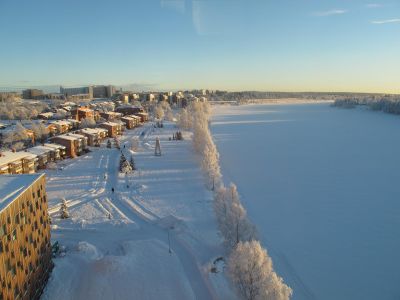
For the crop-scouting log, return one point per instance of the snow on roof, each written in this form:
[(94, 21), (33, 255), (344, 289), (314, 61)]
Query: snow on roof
[(112, 113), (55, 146), (66, 137), (111, 124), (61, 122), (93, 130), (40, 150), (134, 117), (46, 114), (128, 118), (11, 186), (79, 136), (9, 157)]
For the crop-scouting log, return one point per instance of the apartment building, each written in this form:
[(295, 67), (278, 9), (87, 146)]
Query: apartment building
[(80, 113), (25, 248), (17, 162), (113, 129), (111, 115), (75, 144), (94, 135)]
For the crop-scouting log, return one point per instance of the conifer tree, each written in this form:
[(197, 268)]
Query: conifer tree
[(132, 163), (64, 209)]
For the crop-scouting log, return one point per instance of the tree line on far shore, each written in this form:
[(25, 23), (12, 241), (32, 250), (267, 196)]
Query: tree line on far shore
[(386, 103)]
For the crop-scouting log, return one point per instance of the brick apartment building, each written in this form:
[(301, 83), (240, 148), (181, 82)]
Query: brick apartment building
[(25, 249)]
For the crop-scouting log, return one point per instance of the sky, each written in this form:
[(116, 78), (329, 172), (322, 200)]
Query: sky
[(265, 45)]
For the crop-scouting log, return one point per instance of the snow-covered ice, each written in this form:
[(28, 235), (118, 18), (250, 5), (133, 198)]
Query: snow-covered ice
[(320, 183)]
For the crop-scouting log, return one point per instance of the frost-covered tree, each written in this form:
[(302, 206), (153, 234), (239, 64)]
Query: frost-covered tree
[(183, 119), (88, 123), (40, 131), (251, 270), (18, 135), (64, 209), (159, 112), (126, 167), (18, 146), (122, 159), (135, 144), (232, 217)]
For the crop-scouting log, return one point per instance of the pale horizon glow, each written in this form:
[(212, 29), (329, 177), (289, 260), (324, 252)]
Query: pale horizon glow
[(237, 45)]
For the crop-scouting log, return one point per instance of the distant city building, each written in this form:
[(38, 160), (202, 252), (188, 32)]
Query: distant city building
[(103, 91), (88, 92), (25, 248), (32, 94), (78, 93)]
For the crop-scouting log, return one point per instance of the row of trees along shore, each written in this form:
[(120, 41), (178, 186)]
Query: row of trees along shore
[(249, 266), (386, 103)]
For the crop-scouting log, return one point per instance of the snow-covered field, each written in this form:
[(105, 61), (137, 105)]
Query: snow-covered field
[(117, 244), (321, 184)]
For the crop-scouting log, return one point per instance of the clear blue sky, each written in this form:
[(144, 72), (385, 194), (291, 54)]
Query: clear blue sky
[(297, 45)]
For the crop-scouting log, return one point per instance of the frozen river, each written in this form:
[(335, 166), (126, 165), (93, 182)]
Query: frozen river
[(322, 185)]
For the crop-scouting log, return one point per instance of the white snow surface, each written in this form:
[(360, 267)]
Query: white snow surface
[(320, 183), (126, 256)]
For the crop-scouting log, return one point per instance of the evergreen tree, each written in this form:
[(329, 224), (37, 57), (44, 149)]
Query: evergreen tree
[(122, 160), (126, 167), (64, 209), (132, 163)]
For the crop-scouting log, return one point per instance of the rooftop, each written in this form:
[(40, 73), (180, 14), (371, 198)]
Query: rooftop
[(9, 157), (54, 146), (11, 186), (40, 150), (110, 124)]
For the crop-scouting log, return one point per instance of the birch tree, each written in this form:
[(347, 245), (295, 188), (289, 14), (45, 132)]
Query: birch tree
[(251, 270)]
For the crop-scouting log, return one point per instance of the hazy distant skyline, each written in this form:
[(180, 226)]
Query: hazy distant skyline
[(214, 44)]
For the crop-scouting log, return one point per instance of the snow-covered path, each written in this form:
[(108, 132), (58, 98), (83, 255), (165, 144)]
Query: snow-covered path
[(127, 254)]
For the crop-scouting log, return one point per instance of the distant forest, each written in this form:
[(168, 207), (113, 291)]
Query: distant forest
[(386, 103), (253, 95)]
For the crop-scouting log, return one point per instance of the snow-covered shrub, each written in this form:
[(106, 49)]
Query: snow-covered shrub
[(250, 268)]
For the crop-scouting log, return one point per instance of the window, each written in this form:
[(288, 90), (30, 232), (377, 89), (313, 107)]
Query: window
[(14, 235), (1, 246), (3, 230)]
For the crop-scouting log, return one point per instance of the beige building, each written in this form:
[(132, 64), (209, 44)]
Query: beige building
[(25, 248), (17, 162)]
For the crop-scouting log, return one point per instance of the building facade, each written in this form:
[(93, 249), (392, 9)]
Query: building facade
[(25, 248)]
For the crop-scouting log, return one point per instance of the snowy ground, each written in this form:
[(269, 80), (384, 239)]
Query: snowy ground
[(321, 185), (127, 256)]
